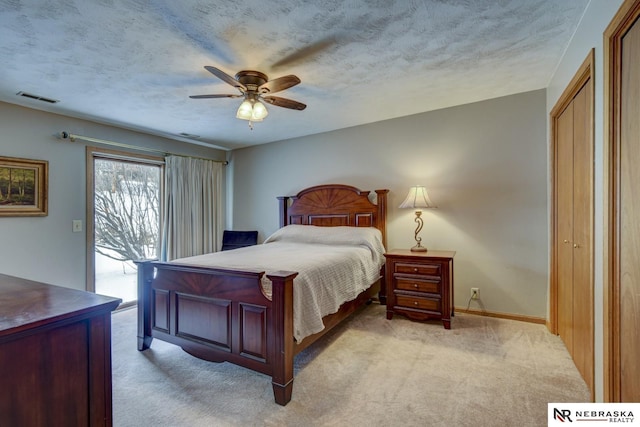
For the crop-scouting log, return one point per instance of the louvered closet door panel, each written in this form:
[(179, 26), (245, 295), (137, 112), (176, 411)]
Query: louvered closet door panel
[(582, 234), (565, 226), (630, 217)]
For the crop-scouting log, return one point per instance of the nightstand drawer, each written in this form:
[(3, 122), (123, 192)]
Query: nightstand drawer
[(418, 303), (419, 269), (417, 285)]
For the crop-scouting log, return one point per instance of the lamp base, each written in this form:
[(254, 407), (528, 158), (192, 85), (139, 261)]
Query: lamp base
[(418, 247)]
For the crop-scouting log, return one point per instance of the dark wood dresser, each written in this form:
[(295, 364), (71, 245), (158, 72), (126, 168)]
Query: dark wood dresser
[(420, 284), (55, 355)]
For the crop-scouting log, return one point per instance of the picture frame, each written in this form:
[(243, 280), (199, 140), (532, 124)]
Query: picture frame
[(23, 187)]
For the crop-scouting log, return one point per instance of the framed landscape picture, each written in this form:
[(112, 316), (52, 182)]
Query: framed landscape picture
[(23, 187)]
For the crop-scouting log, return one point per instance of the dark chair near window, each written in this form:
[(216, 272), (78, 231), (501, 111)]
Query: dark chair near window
[(238, 239)]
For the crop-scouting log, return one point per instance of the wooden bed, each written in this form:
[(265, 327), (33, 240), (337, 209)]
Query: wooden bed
[(222, 315)]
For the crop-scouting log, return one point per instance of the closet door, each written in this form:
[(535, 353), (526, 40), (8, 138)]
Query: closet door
[(622, 158), (564, 217), (572, 286), (630, 216), (583, 329)]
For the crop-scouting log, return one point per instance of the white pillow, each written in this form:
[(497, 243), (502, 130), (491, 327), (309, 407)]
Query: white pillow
[(369, 237)]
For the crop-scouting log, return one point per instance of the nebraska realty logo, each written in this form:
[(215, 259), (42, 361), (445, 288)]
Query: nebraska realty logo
[(593, 413)]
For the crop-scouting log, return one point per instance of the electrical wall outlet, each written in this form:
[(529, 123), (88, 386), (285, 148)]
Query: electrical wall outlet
[(475, 293)]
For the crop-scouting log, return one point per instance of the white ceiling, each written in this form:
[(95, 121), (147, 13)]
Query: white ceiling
[(134, 63)]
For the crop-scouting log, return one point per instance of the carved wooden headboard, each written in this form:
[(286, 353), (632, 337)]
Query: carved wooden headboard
[(334, 205)]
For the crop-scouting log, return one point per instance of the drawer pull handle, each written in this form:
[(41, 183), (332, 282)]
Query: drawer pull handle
[(415, 303), (415, 269), (415, 285)]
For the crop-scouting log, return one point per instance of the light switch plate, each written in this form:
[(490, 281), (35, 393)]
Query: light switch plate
[(77, 225)]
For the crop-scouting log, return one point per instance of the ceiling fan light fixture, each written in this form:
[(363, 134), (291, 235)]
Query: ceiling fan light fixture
[(252, 110)]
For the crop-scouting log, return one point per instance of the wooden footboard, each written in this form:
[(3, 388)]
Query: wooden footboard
[(220, 315)]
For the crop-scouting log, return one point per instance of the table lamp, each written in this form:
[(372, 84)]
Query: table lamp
[(417, 199)]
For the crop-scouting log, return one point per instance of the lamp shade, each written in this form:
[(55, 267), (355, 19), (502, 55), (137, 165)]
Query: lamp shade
[(417, 198), (245, 110), (259, 111)]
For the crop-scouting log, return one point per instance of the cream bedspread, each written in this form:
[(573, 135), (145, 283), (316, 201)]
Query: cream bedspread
[(334, 265)]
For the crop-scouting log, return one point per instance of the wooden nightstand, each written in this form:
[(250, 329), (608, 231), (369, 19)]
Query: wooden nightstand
[(419, 285)]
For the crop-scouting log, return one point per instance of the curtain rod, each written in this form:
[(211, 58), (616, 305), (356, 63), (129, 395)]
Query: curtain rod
[(72, 137)]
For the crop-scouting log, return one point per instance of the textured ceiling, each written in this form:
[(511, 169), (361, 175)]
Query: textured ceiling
[(134, 63)]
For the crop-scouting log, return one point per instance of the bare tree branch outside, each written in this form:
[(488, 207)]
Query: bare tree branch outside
[(127, 210)]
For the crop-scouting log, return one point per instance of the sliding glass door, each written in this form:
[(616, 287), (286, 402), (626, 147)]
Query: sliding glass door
[(125, 220)]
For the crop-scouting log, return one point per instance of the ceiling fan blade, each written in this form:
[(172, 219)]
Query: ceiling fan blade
[(213, 96), (225, 78), (283, 102), (309, 51), (281, 83)]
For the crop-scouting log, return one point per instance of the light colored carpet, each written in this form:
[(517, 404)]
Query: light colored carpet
[(370, 371)]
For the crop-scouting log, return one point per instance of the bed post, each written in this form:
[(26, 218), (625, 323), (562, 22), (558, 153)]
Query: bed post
[(145, 274), (282, 312), (382, 214), (283, 203)]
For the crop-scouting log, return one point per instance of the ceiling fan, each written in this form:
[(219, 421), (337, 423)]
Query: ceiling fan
[(255, 86)]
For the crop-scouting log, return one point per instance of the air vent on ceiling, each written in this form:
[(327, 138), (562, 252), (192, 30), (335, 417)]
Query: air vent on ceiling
[(189, 135), (36, 97)]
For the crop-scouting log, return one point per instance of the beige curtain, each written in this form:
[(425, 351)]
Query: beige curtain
[(192, 207)]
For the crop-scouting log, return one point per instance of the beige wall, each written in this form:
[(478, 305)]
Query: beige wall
[(45, 248), (484, 165)]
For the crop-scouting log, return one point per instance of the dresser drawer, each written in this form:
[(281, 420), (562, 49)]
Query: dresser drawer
[(409, 301), (423, 269), (418, 285)]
